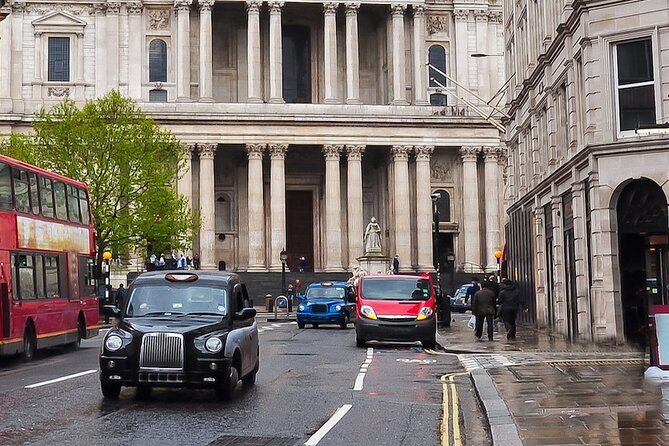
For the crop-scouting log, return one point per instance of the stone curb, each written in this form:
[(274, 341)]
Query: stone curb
[(502, 426)]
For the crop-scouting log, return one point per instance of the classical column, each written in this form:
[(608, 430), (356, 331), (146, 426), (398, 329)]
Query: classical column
[(275, 54), (352, 55), (135, 50), (332, 209), (402, 206), (206, 58), (112, 44), (470, 218), (277, 154), (253, 51), (100, 11), (185, 181), (207, 207), (482, 41), (354, 204), (492, 228), (38, 60), (256, 208), (183, 49), (5, 67), (461, 51), (330, 52), (399, 78), (424, 208), (419, 56)]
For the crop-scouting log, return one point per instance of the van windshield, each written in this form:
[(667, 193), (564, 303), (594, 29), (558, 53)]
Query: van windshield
[(396, 289)]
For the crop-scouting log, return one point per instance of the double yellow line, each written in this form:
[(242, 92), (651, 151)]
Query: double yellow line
[(451, 406)]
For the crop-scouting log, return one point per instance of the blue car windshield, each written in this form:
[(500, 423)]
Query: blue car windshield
[(325, 293), (396, 289), (177, 298)]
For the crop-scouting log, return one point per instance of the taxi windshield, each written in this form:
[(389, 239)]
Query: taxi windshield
[(396, 289), (325, 292), (171, 299)]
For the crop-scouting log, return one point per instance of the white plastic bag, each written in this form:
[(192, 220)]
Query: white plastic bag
[(472, 322)]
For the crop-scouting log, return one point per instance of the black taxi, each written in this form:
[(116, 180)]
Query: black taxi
[(181, 329)]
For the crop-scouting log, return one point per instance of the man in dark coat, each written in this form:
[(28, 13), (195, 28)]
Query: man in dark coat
[(510, 302), (483, 307)]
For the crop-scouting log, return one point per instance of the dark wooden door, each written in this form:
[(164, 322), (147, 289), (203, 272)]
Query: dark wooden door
[(299, 228)]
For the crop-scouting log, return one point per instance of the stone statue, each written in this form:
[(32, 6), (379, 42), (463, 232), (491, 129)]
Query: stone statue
[(373, 238)]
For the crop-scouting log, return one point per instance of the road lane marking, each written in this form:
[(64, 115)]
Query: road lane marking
[(451, 409), (334, 419), (363, 369), (62, 378)]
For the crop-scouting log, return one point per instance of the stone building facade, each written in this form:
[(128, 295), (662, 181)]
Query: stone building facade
[(588, 179), (301, 119)]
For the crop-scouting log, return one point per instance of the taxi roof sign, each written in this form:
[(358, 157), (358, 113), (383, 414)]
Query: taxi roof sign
[(326, 283)]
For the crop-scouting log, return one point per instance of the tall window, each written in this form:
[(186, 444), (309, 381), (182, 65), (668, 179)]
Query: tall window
[(635, 86), (437, 58), (158, 61), (59, 59), (6, 200), (444, 205)]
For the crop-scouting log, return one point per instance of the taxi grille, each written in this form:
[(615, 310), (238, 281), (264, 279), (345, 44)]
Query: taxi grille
[(162, 351), (319, 308)]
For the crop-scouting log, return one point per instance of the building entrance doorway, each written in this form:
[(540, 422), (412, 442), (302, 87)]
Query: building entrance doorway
[(296, 64), (300, 228), (643, 254)]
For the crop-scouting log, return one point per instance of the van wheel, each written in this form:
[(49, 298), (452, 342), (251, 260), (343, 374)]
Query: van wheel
[(360, 342), (429, 343), (29, 344), (226, 389)]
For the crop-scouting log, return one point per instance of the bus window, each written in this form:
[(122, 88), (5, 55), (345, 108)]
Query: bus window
[(73, 204), (46, 194), (60, 200), (26, 273), (87, 276), (34, 193), (21, 195), (6, 201), (51, 275), (39, 277), (83, 205)]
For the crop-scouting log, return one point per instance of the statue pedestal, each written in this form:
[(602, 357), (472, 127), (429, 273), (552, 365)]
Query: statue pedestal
[(374, 265)]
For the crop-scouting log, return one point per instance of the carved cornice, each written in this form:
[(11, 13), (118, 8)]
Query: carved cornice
[(278, 151), (418, 10), (158, 18), (397, 9), (275, 7), (43, 9), (205, 5), (189, 150), (99, 9), (481, 15), (330, 8), (496, 17), (113, 8), (135, 8), (18, 7), (461, 14), (182, 5), (207, 151), (469, 153), (491, 154), (255, 151), (253, 6), (352, 8), (401, 152), (332, 152), (355, 152), (423, 153), (436, 24)]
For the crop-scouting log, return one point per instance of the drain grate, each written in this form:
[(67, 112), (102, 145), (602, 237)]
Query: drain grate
[(236, 440), (596, 362)]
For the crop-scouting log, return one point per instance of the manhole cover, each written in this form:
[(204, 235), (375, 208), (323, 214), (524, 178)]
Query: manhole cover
[(235, 440)]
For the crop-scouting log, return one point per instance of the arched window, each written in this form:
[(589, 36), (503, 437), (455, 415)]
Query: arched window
[(437, 58), (444, 205), (438, 99), (158, 61)]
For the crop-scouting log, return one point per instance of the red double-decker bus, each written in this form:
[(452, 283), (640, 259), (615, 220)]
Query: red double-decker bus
[(47, 251)]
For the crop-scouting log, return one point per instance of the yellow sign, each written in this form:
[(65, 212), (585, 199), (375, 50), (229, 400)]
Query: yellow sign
[(52, 236)]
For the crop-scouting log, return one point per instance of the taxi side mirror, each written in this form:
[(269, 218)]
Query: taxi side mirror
[(111, 311), (244, 314), (351, 297)]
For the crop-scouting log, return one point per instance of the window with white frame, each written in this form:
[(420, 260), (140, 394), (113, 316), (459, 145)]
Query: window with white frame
[(58, 59), (158, 61), (635, 84), (437, 58)]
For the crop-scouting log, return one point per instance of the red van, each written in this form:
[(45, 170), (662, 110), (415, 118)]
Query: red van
[(396, 308)]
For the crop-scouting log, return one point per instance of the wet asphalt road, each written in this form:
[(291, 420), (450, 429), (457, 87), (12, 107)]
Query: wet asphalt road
[(305, 377)]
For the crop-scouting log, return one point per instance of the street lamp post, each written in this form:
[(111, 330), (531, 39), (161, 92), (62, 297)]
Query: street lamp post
[(106, 269), (436, 260), (283, 255), (498, 256)]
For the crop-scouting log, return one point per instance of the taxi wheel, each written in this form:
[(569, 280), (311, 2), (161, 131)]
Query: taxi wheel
[(344, 324), (143, 392), (315, 325), (250, 379), (110, 390), (227, 388), (300, 325)]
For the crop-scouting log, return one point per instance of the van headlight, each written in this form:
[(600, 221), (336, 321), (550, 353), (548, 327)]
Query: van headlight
[(214, 344), (113, 343), (368, 312), (424, 313)]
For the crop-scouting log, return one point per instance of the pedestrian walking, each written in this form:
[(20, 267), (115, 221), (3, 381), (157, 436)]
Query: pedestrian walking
[(303, 264), (483, 307), (473, 288), (196, 261), (396, 264), (181, 262), (510, 301), (120, 296)]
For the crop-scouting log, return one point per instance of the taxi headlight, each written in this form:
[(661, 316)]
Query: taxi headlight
[(368, 312), (424, 313), (113, 343), (337, 307), (214, 344), (300, 307)]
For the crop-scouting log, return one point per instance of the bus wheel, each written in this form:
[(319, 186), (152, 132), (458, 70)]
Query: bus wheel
[(29, 344), (81, 330)]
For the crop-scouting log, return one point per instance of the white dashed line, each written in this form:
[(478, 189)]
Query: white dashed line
[(62, 378), (334, 419), (363, 369)]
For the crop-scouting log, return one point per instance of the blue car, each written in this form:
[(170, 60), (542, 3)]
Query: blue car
[(327, 303)]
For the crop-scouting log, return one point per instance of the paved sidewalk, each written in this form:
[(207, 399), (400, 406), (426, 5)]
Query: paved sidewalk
[(541, 390)]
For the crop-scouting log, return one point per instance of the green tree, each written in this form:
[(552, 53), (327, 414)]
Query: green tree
[(129, 164)]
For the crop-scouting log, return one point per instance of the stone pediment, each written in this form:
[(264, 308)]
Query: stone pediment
[(59, 21)]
